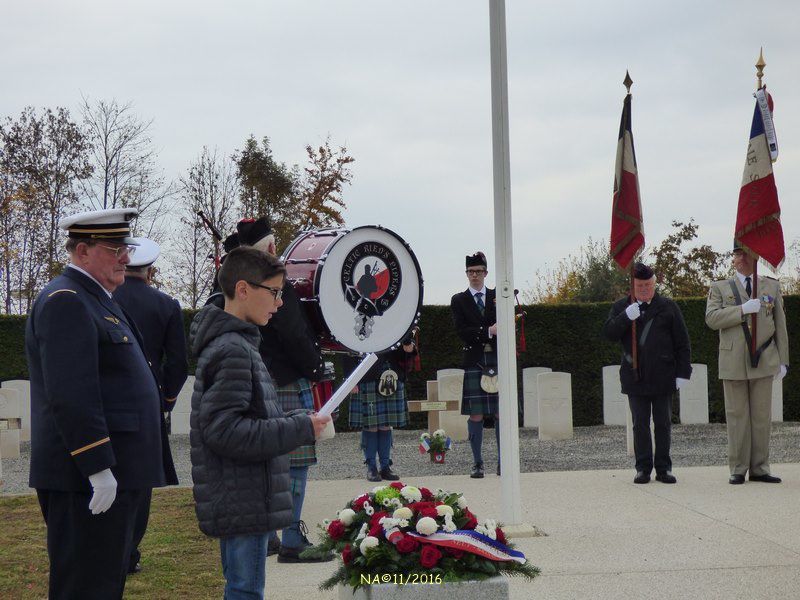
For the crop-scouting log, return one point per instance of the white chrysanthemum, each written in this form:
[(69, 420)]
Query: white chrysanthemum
[(363, 533), (403, 513), (396, 502), (387, 502), (427, 526), (403, 523), (367, 543), (439, 433), (377, 489), (411, 493), (444, 509), (449, 526), (368, 509), (462, 503), (346, 516)]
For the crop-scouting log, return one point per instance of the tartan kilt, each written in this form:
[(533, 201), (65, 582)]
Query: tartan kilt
[(292, 396), (474, 401), (368, 408)]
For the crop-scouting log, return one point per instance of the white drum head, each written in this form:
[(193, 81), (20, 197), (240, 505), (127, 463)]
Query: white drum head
[(370, 289)]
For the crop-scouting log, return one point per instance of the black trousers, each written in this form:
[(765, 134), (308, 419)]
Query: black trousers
[(88, 553), (140, 526), (661, 408)]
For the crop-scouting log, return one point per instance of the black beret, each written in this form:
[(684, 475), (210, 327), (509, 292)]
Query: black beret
[(642, 271), (252, 230), (476, 260), (231, 242)]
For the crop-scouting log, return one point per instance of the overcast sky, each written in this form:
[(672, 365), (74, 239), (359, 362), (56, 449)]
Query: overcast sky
[(406, 87)]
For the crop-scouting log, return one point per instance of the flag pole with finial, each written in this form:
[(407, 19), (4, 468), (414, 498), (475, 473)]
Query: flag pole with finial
[(760, 64), (628, 82)]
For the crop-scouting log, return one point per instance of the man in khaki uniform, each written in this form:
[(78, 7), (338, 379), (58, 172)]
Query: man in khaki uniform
[(748, 389)]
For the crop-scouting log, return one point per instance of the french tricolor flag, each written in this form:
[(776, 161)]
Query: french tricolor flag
[(758, 218)]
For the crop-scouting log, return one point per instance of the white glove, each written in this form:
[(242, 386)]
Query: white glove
[(680, 382), (104, 486), (782, 372), (633, 311), (751, 306)]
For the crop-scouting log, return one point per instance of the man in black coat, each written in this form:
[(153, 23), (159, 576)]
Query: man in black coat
[(475, 319), (664, 365), (160, 321), (98, 440)]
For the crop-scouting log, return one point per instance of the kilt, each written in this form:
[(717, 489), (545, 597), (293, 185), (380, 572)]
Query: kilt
[(292, 396), (368, 408), (474, 400)]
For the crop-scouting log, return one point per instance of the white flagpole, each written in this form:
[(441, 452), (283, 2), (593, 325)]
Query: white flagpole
[(506, 348)]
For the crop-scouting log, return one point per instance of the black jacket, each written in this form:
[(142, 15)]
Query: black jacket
[(95, 402), (239, 436), (160, 321), (289, 345), (472, 327), (665, 353)]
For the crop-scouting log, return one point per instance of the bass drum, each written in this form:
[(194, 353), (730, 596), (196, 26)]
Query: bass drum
[(362, 287)]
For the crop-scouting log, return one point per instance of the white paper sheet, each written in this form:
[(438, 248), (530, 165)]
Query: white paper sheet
[(357, 375)]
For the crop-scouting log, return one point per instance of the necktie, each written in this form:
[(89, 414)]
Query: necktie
[(747, 287), (479, 302)]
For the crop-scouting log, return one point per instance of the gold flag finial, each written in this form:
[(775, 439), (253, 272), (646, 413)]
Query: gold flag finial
[(760, 66), (628, 81)]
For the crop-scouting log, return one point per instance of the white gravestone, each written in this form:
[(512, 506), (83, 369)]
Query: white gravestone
[(10, 423), (23, 386), (555, 406), (694, 397), (450, 386), (530, 394), (615, 403), (183, 408), (777, 400)]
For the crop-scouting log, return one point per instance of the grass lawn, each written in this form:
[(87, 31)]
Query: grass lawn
[(177, 560)]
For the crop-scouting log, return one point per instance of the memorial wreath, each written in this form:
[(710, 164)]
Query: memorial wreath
[(399, 532), (436, 445)]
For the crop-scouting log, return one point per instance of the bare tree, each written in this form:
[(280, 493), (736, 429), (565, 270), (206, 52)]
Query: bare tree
[(125, 170), (320, 190), (208, 186)]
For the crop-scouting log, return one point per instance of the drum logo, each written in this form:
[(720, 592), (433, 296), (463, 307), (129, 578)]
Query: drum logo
[(371, 279)]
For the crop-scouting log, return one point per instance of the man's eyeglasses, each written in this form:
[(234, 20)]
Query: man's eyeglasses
[(120, 251), (475, 271), (276, 292)]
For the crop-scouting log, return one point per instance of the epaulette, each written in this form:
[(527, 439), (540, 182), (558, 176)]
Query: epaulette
[(768, 277), (61, 290)]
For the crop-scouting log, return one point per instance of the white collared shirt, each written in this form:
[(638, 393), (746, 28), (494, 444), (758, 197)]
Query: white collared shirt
[(77, 268), (742, 279), (480, 291)]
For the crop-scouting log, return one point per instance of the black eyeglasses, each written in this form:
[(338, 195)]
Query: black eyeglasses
[(475, 271), (276, 292)]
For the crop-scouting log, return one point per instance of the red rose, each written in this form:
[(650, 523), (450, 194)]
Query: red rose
[(428, 512), (407, 545), (397, 485), (455, 553), (347, 554), (336, 529), (501, 537), (426, 493), (472, 522), (429, 557), (358, 503), (418, 506), (375, 518), (376, 531)]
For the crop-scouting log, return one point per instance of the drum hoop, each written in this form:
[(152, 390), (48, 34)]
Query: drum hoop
[(415, 320)]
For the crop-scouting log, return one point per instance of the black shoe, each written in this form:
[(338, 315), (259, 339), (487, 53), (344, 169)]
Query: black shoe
[(389, 475), (293, 555), (477, 471), (273, 546), (372, 473), (736, 479), (666, 477), (641, 477), (766, 478), (135, 568)]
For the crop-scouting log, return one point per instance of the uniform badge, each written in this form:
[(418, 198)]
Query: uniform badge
[(768, 302), (388, 383), (114, 320)]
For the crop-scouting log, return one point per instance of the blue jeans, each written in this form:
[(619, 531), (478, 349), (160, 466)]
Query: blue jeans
[(244, 565), (291, 536)]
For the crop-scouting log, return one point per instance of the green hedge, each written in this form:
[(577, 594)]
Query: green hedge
[(563, 337)]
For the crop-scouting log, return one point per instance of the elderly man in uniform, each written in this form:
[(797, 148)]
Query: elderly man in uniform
[(98, 440), (293, 358), (664, 365), (747, 380), (160, 321), (475, 319)]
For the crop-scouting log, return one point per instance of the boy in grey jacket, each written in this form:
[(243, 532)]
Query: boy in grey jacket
[(239, 437)]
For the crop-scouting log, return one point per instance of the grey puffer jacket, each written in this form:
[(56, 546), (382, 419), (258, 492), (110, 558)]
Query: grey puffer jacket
[(239, 437)]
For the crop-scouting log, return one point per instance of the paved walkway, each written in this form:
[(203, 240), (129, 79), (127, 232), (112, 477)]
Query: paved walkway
[(609, 538)]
